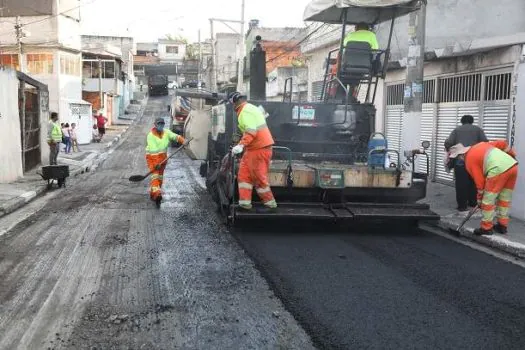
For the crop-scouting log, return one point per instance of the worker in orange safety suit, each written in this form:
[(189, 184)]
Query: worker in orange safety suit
[(494, 169), (158, 141), (256, 146)]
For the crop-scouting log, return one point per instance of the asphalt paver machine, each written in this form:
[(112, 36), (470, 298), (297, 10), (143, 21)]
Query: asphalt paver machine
[(324, 166)]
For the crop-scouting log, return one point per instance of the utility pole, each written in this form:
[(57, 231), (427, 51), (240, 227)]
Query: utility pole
[(240, 72), (199, 78), (101, 95), (413, 98), (213, 68), (19, 36)]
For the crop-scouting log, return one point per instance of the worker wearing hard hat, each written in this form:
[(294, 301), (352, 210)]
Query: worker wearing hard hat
[(256, 146), (494, 169), (158, 141)]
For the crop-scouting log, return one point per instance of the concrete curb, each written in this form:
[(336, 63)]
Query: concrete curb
[(18, 202), (89, 164), (496, 241)]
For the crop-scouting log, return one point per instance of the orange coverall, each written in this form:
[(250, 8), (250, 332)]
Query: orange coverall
[(494, 170), (255, 162)]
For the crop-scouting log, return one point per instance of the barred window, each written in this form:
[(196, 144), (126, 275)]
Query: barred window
[(396, 93), (462, 88), (498, 87)]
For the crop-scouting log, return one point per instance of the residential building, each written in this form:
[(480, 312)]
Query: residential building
[(50, 49), (128, 50), (227, 52), (171, 51), (104, 81), (24, 123), (146, 56)]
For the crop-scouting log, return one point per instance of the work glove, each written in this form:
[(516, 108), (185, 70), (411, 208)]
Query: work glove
[(182, 141), (237, 150)]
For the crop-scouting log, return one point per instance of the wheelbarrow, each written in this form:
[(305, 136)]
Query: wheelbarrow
[(55, 172)]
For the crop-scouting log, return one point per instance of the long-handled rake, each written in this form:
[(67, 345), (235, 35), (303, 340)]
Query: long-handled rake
[(139, 178)]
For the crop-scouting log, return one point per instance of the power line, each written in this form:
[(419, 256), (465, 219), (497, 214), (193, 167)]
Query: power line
[(288, 50), (51, 16)]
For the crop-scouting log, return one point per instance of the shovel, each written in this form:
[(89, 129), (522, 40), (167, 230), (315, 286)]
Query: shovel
[(457, 231), (139, 178)]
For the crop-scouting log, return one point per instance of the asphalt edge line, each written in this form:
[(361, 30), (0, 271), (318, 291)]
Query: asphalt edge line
[(480, 243)]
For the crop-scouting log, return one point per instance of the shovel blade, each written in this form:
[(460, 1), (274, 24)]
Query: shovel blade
[(136, 178)]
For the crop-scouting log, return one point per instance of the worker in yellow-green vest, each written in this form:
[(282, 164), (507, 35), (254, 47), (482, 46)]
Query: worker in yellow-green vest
[(158, 141), (362, 33), (54, 137)]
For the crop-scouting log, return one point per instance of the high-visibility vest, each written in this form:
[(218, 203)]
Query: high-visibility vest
[(55, 132), (159, 143), (252, 123), (488, 159), (363, 36)]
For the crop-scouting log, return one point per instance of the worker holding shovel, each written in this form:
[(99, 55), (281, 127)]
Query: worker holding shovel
[(494, 169), (158, 141)]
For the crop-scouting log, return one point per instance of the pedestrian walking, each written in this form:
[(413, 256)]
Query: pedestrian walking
[(158, 141), (54, 137), (73, 135), (256, 145), (494, 168), (101, 124), (467, 134), (67, 138)]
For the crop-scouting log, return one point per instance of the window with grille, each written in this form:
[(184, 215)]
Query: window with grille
[(40, 63), (10, 60), (463, 88), (396, 93), (498, 87)]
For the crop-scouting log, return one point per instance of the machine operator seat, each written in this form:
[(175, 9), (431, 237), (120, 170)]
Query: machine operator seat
[(356, 64)]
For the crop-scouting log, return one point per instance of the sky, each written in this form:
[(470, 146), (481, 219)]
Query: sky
[(152, 19)]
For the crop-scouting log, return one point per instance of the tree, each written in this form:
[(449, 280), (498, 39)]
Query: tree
[(177, 38)]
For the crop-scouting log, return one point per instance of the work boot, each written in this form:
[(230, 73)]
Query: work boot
[(245, 207), (158, 201), (482, 232), (499, 228)]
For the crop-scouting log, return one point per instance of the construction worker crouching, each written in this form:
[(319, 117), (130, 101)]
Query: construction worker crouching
[(494, 169), (256, 143), (158, 141)]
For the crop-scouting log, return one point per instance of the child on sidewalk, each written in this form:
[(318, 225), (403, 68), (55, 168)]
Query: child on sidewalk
[(67, 137), (73, 135)]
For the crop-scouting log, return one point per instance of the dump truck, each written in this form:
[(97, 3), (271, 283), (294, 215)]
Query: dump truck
[(328, 161), (158, 85)]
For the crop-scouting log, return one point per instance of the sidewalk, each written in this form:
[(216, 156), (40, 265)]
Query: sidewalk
[(442, 200), (17, 194)]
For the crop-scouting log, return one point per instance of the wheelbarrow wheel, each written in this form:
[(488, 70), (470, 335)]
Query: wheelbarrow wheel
[(61, 183)]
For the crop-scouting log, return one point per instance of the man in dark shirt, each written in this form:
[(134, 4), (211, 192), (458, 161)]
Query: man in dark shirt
[(468, 135)]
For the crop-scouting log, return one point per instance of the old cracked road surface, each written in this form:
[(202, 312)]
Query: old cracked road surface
[(100, 267)]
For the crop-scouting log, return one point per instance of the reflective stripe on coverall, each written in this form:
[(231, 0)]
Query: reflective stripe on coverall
[(494, 170), (156, 152), (255, 163)]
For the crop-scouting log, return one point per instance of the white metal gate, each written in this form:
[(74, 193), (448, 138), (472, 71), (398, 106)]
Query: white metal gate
[(485, 96)]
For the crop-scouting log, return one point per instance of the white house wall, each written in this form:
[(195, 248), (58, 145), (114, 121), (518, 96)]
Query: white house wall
[(44, 31), (453, 23), (518, 205), (108, 85), (10, 152)]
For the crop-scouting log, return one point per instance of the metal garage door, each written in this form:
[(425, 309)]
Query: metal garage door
[(427, 134), (394, 123), (448, 118)]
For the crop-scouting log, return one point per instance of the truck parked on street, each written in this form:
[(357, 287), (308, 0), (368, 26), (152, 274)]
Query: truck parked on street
[(158, 85)]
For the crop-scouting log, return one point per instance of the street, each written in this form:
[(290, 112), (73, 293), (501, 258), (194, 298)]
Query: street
[(100, 267)]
